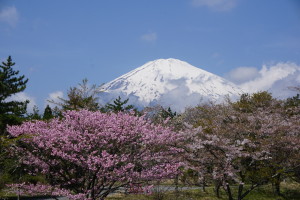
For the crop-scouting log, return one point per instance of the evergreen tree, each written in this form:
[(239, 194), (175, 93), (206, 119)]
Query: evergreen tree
[(48, 113), (118, 106), (167, 113), (11, 112)]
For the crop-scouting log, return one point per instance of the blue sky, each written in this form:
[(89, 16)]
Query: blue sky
[(57, 43)]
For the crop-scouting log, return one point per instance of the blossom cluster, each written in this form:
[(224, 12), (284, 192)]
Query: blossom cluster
[(231, 145), (94, 153)]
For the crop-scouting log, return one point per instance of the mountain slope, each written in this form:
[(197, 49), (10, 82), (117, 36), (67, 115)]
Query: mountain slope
[(169, 82)]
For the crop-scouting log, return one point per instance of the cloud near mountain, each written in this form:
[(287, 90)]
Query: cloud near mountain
[(277, 79)]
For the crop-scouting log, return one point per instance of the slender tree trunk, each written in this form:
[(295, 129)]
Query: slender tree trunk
[(217, 189), (176, 181), (240, 192), (228, 190), (176, 184), (19, 196), (203, 185), (277, 185)]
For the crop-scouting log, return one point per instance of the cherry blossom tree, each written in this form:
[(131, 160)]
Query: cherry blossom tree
[(253, 142), (92, 154)]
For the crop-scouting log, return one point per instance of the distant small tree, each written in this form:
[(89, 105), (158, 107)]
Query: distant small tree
[(48, 113), (293, 101), (118, 106), (168, 113), (81, 97), (158, 114), (35, 115), (56, 112)]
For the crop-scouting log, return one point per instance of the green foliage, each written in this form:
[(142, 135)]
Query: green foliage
[(11, 171), (81, 97), (11, 112), (167, 113), (160, 115), (249, 103), (8, 165), (293, 101), (117, 106), (47, 113)]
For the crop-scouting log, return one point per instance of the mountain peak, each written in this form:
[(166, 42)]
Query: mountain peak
[(171, 67), (169, 63), (168, 82)]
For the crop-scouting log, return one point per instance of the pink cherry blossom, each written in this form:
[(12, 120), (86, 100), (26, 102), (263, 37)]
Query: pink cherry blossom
[(91, 154)]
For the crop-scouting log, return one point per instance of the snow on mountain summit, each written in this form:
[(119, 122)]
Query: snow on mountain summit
[(168, 82)]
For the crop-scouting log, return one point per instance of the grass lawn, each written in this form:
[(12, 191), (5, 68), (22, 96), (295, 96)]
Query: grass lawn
[(289, 192)]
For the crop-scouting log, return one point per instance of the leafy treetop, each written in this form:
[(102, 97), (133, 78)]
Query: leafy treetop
[(81, 97), (11, 111), (118, 106)]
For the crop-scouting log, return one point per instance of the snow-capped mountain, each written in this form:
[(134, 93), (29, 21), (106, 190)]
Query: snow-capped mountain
[(170, 83)]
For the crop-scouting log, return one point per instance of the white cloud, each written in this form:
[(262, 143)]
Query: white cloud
[(150, 37), (216, 5), (242, 74), (10, 16), (180, 98), (276, 79), (55, 97), (22, 96)]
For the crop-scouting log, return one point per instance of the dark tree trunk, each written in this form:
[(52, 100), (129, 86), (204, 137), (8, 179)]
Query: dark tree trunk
[(228, 190), (217, 189), (176, 180), (203, 185), (240, 192), (19, 196), (277, 185), (176, 184)]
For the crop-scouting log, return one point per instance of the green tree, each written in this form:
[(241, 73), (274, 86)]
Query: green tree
[(81, 97), (168, 113), (48, 113), (293, 101), (11, 111), (118, 106), (56, 112), (249, 103)]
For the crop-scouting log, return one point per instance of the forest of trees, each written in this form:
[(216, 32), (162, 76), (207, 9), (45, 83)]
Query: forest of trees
[(84, 150)]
